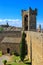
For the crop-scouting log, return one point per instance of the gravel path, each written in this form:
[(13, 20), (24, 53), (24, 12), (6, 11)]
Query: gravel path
[(4, 57)]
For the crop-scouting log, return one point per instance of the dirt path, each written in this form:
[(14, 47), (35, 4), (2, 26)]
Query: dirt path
[(4, 57)]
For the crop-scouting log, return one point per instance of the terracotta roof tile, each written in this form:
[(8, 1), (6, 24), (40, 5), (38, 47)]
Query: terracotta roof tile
[(11, 40)]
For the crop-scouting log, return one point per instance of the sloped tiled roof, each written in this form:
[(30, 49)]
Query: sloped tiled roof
[(11, 40), (10, 28)]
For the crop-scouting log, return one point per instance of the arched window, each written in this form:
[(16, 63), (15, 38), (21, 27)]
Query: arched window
[(26, 22), (26, 18)]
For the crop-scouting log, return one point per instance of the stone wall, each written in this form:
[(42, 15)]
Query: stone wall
[(35, 47), (14, 47), (10, 33)]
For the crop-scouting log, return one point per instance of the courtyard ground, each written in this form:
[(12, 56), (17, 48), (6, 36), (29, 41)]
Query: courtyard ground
[(4, 57), (13, 60)]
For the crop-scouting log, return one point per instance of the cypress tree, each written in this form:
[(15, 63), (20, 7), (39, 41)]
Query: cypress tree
[(22, 47)]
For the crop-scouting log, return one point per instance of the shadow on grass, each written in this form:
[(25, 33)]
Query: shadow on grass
[(28, 63), (8, 64)]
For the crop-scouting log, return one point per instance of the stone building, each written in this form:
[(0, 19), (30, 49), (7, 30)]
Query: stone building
[(10, 41), (10, 44)]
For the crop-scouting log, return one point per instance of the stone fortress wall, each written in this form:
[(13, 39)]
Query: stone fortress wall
[(34, 38), (35, 47)]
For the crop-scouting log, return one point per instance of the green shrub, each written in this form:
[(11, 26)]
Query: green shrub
[(9, 64), (4, 61), (15, 53), (1, 29)]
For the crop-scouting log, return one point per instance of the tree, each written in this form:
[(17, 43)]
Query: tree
[(22, 47), (4, 61), (1, 29)]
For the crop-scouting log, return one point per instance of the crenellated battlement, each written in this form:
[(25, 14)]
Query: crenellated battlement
[(33, 12)]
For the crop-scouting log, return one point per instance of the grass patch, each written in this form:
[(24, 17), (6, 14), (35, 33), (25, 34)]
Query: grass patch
[(18, 63), (15, 63), (17, 58), (0, 53), (1, 29)]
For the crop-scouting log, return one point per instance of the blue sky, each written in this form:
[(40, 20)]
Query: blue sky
[(10, 11)]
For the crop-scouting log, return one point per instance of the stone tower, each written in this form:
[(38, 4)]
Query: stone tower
[(39, 28), (29, 19)]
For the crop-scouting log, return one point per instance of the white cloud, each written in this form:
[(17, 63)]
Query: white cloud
[(12, 22), (17, 22)]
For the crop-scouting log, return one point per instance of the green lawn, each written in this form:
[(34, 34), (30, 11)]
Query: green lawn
[(18, 63), (17, 58), (0, 53), (15, 63), (1, 29)]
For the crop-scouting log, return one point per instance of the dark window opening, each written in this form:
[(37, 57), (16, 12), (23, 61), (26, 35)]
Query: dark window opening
[(8, 50), (26, 22), (26, 28), (26, 18)]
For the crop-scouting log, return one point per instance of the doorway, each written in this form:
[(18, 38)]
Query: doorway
[(8, 50)]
